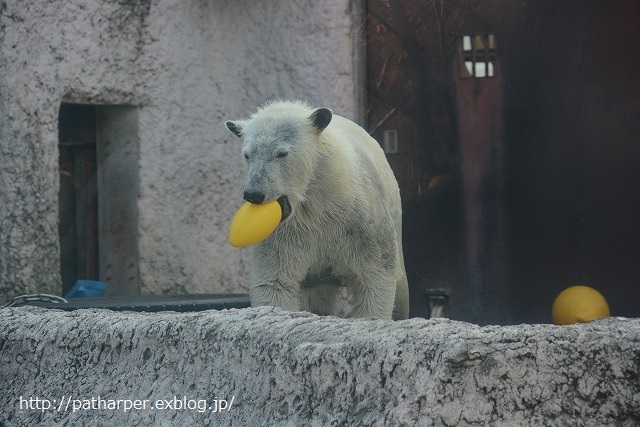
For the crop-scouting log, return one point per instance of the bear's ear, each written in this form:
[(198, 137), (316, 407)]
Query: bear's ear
[(234, 127), (321, 118)]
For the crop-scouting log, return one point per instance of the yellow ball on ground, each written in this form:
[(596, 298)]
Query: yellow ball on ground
[(253, 223), (578, 304)]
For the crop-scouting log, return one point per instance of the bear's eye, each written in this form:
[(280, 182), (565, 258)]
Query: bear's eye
[(282, 154), (246, 156)]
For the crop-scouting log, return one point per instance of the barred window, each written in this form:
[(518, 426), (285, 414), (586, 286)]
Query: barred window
[(478, 56)]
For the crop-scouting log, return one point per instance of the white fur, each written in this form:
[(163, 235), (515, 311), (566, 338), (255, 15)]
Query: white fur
[(346, 214)]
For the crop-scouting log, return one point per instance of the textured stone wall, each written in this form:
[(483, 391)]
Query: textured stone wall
[(187, 66), (277, 368)]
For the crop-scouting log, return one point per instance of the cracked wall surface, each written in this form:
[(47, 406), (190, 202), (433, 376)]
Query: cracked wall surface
[(187, 66), (294, 369)]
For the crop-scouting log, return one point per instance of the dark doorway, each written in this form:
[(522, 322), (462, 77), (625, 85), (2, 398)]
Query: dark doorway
[(98, 199), (78, 197)]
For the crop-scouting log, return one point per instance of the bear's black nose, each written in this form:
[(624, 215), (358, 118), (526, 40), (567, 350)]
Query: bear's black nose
[(254, 196)]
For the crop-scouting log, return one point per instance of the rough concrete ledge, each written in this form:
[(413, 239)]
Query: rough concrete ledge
[(300, 369)]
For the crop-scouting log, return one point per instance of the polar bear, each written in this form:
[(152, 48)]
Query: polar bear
[(342, 217)]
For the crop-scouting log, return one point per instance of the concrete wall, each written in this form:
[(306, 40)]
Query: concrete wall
[(292, 369), (185, 66)]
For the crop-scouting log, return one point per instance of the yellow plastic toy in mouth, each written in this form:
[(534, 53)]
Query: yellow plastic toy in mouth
[(253, 223)]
